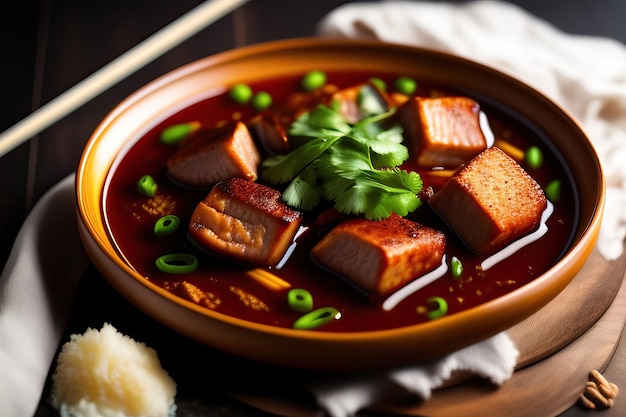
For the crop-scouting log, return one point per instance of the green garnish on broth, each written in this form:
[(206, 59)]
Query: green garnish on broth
[(353, 165)]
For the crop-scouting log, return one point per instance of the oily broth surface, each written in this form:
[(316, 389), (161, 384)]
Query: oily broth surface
[(131, 218)]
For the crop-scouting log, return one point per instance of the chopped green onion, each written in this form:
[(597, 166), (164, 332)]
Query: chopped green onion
[(317, 318), (553, 191), (456, 266), (175, 133), (240, 93), (441, 309), (300, 300), (406, 85), (147, 186), (166, 225), (313, 80), (177, 263), (261, 100), (534, 157)]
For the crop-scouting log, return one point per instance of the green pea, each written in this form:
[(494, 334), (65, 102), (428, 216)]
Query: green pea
[(439, 311), (177, 263), (300, 300), (406, 85), (534, 157), (261, 100), (456, 266), (240, 93), (166, 225), (316, 318), (175, 133), (553, 191), (313, 80), (380, 84), (147, 186)]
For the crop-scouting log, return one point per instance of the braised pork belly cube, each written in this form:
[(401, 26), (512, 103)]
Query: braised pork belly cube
[(490, 202), (270, 127), (359, 101), (244, 221), (380, 256), (271, 132), (442, 131), (212, 155)]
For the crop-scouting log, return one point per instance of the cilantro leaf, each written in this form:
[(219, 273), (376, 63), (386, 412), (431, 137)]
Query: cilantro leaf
[(354, 166), (280, 169), (304, 192), (387, 149), (321, 122), (378, 193)]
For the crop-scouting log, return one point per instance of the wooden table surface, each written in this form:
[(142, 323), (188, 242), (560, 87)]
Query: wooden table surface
[(49, 46)]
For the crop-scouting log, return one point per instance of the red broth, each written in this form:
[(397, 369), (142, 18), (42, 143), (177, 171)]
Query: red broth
[(131, 217)]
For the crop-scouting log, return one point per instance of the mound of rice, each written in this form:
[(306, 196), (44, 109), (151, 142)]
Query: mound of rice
[(107, 374)]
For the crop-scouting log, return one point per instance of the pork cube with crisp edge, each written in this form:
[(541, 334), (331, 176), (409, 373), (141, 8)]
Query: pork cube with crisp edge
[(244, 221), (490, 202), (380, 256), (442, 131), (209, 156)]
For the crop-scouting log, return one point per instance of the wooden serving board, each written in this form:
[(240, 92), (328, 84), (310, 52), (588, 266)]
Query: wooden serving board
[(558, 345), (572, 313)]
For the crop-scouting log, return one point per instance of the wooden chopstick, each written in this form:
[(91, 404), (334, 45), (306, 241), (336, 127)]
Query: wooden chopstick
[(157, 44)]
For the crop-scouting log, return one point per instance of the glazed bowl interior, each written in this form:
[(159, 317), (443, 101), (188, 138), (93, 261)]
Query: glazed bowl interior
[(325, 350)]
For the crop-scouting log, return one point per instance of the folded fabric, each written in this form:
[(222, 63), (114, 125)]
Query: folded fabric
[(37, 288), (493, 359), (585, 75)]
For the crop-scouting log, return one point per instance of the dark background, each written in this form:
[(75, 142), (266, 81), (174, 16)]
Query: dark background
[(48, 46)]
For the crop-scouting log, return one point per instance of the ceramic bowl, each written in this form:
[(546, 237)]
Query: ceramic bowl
[(319, 349)]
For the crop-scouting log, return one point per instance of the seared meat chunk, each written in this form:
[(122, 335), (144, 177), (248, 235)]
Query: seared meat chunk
[(490, 202), (212, 155), (244, 221), (271, 127), (271, 132), (442, 131), (380, 256)]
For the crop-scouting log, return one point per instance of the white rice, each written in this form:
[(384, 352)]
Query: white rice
[(107, 374)]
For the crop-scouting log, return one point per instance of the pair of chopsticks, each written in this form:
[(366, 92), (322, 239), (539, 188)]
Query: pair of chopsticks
[(162, 41)]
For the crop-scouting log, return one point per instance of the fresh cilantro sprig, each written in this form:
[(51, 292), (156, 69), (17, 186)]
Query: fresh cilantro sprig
[(354, 166)]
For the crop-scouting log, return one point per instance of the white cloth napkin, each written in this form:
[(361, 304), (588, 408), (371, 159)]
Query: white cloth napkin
[(37, 288), (586, 75), (493, 359)]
